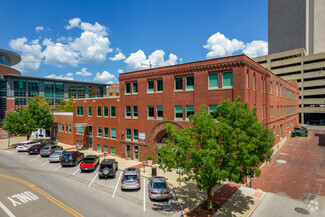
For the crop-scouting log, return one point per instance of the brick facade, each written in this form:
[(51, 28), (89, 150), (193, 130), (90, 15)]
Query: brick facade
[(144, 94)]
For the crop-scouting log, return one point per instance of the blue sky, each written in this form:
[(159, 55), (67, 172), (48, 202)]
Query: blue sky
[(97, 40)]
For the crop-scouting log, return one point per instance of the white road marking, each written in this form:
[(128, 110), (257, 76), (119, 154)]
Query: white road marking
[(144, 195), (92, 180), (118, 180), (9, 213), (35, 158), (57, 168), (75, 172), (45, 163), (24, 155)]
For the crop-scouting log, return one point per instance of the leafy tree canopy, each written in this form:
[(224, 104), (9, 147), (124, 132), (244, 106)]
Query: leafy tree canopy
[(212, 151), (65, 105)]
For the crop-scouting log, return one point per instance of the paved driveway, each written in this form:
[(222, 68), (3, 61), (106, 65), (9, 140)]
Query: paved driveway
[(298, 168)]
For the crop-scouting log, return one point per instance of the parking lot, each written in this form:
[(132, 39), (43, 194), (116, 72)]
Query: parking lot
[(112, 186)]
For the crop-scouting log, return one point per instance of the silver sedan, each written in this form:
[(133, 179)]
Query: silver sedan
[(56, 156), (158, 189)]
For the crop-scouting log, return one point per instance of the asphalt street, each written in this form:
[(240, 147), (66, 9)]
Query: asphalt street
[(32, 187)]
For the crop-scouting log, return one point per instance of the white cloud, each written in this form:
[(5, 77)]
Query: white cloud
[(31, 54), (120, 71), (39, 28), (60, 55), (118, 56), (256, 48), (64, 39), (84, 72), (138, 60), (75, 22), (105, 76), (96, 28), (68, 76), (218, 46)]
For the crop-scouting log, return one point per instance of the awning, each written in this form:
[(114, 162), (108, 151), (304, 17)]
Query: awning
[(82, 125)]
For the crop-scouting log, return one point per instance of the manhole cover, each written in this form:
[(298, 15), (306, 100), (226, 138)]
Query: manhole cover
[(281, 161), (309, 196), (302, 211)]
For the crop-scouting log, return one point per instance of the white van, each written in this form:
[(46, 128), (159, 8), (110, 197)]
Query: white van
[(24, 146)]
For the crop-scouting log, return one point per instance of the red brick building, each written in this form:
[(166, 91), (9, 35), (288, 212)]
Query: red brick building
[(174, 93)]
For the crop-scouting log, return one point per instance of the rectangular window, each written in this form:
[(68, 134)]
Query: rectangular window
[(135, 111), (280, 90), (99, 111), (113, 133), (247, 80), (66, 128), (128, 111), (62, 127), (150, 87), (80, 110), (179, 112), (254, 82), (213, 108), (113, 150), (213, 80), (277, 89), (128, 134), (179, 83), (271, 111), (105, 111), (99, 131), (151, 111), (190, 82), (105, 149), (59, 127), (106, 132), (89, 111), (69, 128), (99, 147), (271, 89), (189, 111), (80, 130), (227, 79), (135, 87), (127, 88), (113, 111), (159, 85), (135, 134), (160, 113)]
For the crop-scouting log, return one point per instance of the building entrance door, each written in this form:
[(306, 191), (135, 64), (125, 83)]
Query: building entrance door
[(128, 151), (136, 153), (90, 143)]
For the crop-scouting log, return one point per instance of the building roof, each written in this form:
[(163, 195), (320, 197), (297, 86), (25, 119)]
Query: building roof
[(54, 80), (14, 58)]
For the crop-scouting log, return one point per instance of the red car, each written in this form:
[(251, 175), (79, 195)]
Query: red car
[(90, 162)]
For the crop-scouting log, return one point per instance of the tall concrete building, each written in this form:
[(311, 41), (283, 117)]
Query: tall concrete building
[(296, 24)]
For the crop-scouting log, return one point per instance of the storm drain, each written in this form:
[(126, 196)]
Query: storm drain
[(309, 197), (302, 211)]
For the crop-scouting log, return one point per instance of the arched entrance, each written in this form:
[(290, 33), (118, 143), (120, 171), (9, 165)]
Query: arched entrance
[(158, 136)]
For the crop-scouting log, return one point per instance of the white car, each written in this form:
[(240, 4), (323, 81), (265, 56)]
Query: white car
[(24, 146)]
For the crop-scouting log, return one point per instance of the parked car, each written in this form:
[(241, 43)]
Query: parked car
[(49, 149), (35, 149), (24, 146), (56, 156), (90, 162), (72, 158), (107, 168), (158, 189), (300, 131), (131, 179)]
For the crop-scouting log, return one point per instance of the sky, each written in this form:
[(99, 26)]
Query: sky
[(97, 40)]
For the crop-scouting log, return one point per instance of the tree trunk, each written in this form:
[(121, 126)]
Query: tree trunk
[(28, 136), (209, 192)]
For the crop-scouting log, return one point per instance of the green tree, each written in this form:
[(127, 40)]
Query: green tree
[(211, 151), (35, 115), (65, 105)]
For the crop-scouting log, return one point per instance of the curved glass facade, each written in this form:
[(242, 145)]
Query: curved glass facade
[(4, 60)]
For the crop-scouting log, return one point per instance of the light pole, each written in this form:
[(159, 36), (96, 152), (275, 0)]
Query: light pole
[(8, 140)]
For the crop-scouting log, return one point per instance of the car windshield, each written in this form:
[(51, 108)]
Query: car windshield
[(130, 178), (89, 160), (110, 166), (159, 185), (45, 148), (67, 156), (56, 153)]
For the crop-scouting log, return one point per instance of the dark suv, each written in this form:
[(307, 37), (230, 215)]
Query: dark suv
[(108, 168), (36, 149), (72, 158)]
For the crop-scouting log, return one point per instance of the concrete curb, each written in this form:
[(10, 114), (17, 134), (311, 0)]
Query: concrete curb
[(255, 206)]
